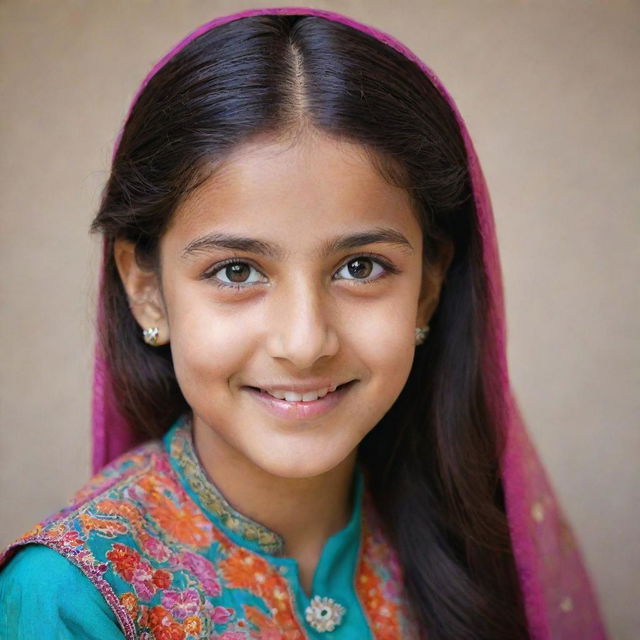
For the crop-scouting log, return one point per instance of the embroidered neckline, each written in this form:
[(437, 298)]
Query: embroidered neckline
[(182, 451)]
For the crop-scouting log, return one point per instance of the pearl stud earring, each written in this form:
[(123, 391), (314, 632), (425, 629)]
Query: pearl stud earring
[(421, 334), (150, 335)]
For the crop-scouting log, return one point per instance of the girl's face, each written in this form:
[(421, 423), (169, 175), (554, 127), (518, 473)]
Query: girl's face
[(294, 269)]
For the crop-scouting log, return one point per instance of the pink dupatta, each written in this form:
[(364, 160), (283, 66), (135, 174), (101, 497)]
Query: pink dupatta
[(559, 601)]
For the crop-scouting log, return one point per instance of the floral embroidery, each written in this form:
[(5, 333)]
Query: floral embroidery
[(132, 568), (162, 624), (193, 625), (130, 603), (162, 579), (106, 527), (183, 453), (182, 604), (268, 627), (124, 560), (169, 573), (243, 569), (154, 547), (378, 580), (183, 521), (202, 569)]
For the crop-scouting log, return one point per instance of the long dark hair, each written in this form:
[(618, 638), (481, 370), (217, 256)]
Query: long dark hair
[(436, 452)]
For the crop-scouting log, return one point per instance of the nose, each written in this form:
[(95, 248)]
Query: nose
[(301, 326)]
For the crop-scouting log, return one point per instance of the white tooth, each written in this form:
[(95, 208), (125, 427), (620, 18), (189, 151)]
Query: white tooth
[(292, 396), (277, 394), (333, 387)]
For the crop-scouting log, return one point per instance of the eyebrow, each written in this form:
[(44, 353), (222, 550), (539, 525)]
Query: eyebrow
[(378, 235)]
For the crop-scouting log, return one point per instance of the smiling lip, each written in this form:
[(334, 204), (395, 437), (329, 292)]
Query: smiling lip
[(300, 410)]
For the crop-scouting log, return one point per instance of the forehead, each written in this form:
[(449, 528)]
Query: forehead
[(294, 190)]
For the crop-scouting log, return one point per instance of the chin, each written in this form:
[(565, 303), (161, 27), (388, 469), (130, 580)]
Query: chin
[(299, 466)]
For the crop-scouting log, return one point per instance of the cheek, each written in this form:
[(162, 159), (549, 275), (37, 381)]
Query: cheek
[(391, 357), (205, 346), (384, 356), (387, 327), (384, 340)]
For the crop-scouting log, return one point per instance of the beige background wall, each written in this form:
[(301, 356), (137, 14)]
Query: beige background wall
[(552, 100)]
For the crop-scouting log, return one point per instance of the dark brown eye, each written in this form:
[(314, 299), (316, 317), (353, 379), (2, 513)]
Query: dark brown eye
[(360, 267), (237, 275), (364, 269), (238, 272)]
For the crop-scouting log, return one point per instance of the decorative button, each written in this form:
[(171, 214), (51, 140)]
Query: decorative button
[(324, 614)]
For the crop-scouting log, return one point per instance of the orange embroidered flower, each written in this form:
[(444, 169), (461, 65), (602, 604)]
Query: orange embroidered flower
[(193, 625), (163, 625), (250, 571), (121, 508), (125, 560), (258, 618), (106, 527), (130, 603), (269, 629), (183, 523), (282, 624), (161, 578), (245, 570)]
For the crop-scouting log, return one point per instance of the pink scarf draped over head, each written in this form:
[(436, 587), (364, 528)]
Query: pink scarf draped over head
[(560, 604)]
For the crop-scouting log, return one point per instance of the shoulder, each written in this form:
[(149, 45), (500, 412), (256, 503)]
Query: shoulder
[(124, 469), (115, 481), (111, 504), (43, 595), (57, 569)]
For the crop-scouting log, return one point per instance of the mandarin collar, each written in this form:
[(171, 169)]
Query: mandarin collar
[(178, 442)]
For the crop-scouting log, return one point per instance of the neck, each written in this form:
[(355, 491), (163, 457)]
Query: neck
[(305, 512)]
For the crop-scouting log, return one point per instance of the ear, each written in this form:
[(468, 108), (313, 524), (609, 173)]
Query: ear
[(433, 274), (143, 290)]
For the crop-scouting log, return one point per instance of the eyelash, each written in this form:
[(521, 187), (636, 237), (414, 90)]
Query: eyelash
[(210, 274)]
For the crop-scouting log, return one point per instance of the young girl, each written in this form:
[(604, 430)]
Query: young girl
[(303, 426)]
